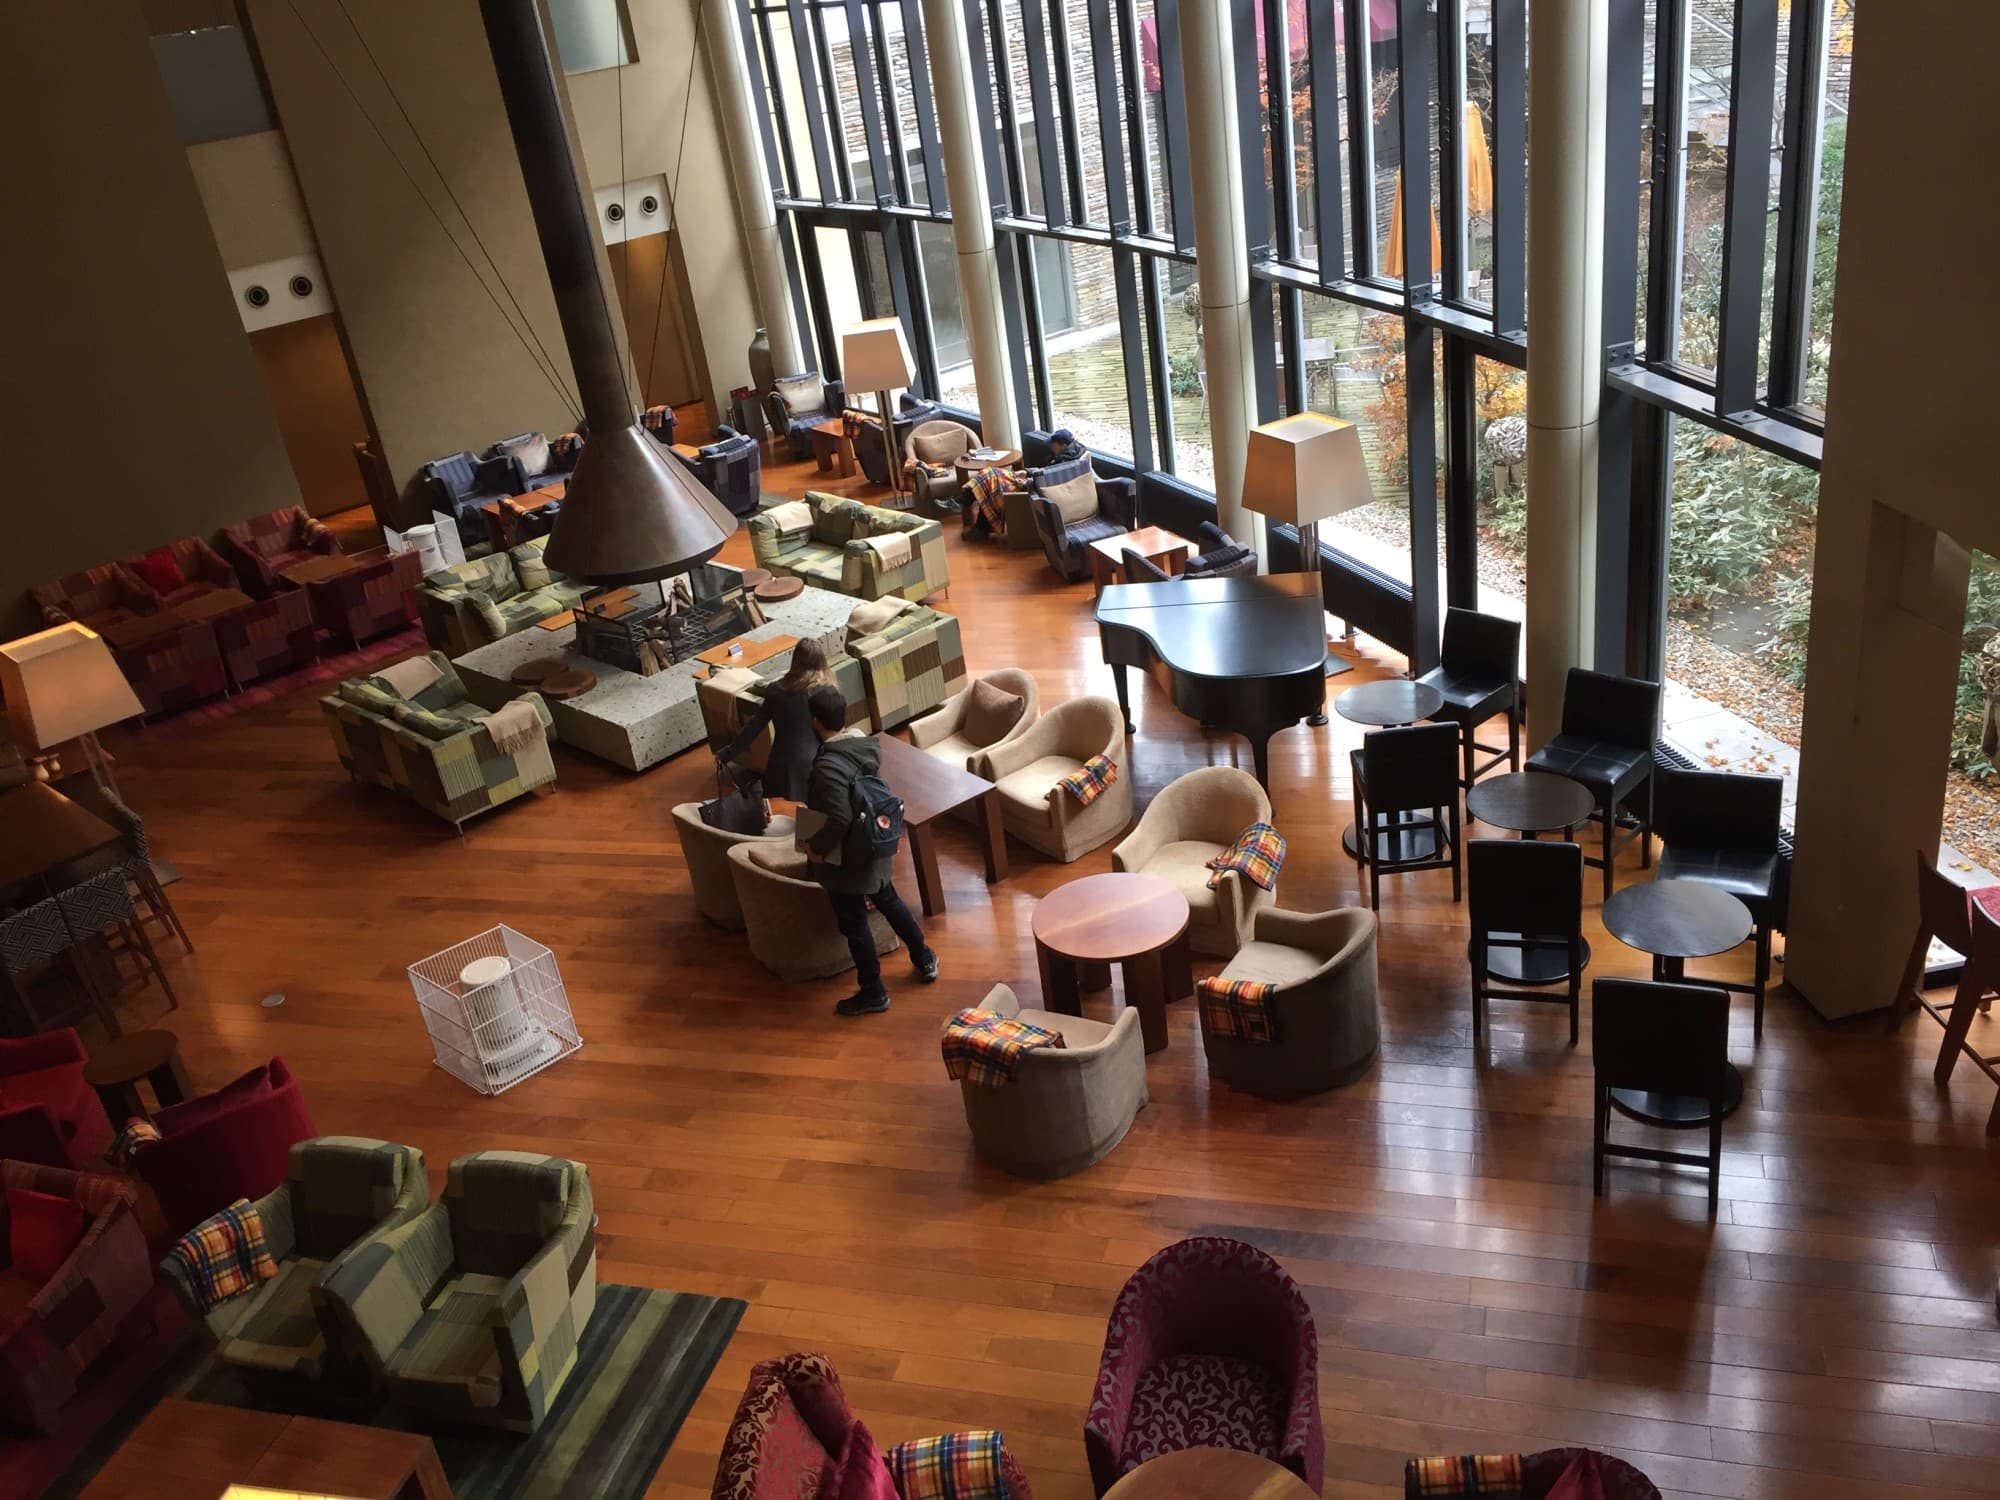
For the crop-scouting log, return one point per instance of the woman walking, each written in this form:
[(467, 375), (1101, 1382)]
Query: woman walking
[(789, 766)]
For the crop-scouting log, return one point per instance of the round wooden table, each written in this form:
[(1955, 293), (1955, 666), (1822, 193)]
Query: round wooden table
[(966, 466), (116, 1068), (571, 682), (756, 578), (535, 673), (778, 590), (1676, 920), (1210, 1474), (1138, 922), (1530, 803), (1390, 704)]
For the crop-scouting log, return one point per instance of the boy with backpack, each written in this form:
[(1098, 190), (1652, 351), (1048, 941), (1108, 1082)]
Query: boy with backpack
[(864, 823)]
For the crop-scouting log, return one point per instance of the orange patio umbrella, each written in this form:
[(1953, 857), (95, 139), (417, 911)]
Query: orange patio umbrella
[(1478, 193)]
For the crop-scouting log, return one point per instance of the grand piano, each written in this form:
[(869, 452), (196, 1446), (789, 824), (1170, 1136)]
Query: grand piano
[(1245, 654)]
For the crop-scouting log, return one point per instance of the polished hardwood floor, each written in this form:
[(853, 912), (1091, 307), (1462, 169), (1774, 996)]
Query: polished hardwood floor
[(1830, 1333)]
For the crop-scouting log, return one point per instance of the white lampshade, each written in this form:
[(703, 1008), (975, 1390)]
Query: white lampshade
[(1306, 468), (874, 356), (61, 683)]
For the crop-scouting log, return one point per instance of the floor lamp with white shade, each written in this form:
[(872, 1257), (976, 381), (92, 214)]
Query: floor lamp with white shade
[(874, 356), (63, 684), (1302, 470)]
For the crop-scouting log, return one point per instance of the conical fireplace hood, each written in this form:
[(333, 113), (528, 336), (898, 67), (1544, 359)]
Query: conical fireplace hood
[(632, 512)]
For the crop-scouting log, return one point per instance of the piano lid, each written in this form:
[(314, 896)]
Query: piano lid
[(1268, 626)]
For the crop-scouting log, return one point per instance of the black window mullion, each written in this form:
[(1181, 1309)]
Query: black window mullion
[(1325, 58), (892, 120), (1461, 474), (756, 32), (1413, 107), (918, 52), (1065, 82), (1798, 206), (1005, 182), (1420, 390), (1510, 167), (1173, 123), (788, 235), (1360, 143), (842, 189), (906, 296), (804, 29), (1048, 147), (1125, 273), (1296, 396), (1250, 132), (1663, 253), (884, 185), (1031, 320), (1140, 214), (1451, 146), (1625, 60), (1753, 82), (815, 280), (1278, 115), (1264, 347), (1006, 250), (1104, 67), (1159, 369)]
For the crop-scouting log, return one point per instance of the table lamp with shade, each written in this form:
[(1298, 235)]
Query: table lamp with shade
[(63, 684), (874, 356), (1304, 469)]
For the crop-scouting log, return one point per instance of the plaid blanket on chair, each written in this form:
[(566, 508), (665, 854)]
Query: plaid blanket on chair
[(983, 505), (1238, 1007), (1495, 1475), (1257, 855), (137, 1134), (1087, 783), (225, 1253), (954, 1466), (984, 1048)]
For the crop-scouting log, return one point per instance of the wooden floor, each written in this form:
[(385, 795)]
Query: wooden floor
[(1831, 1334)]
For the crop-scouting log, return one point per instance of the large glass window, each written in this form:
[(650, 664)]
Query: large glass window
[(1354, 369)]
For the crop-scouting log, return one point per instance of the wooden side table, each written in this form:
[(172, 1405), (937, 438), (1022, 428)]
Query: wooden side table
[(116, 1068), (1138, 922), (1210, 1474)]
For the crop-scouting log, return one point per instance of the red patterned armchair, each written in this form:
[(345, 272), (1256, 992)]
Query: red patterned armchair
[(372, 599), (1210, 1345), (793, 1425), (55, 1326), (170, 667), (264, 546), (48, 1115), (274, 633), (234, 1143)]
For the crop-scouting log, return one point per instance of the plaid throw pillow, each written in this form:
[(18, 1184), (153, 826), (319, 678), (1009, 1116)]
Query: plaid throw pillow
[(1495, 1475), (983, 1047), (1087, 784), (954, 1466), (1257, 855), (1239, 1008), (139, 1133), (225, 1254)]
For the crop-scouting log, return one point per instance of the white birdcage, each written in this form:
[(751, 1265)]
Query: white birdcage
[(495, 1008)]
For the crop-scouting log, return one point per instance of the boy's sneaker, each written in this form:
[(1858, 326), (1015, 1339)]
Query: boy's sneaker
[(927, 966), (862, 1003)]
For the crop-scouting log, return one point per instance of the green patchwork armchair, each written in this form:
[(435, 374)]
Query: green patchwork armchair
[(474, 603), (836, 544), (474, 1309), (910, 664), (433, 748), (338, 1192)]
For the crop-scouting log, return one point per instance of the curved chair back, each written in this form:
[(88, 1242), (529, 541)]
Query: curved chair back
[(1943, 906), (1411, 769), (1086, 726), (344, 1187), (1660, 1038), (1139, 568), (1481, 646), (1615, 710), (940, 440)]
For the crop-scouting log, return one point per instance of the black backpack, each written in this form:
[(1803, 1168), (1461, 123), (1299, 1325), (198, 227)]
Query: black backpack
[(878, 818)]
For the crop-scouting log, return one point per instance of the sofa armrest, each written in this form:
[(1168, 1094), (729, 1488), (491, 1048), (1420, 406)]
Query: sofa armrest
[(1155, 830), (1119, 499), (48, 1049), (393, 1287), (1010, 755), (942, 722)]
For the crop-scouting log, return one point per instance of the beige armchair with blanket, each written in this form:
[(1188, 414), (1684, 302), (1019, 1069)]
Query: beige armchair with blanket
[(787, 916), (1066, 1107), (962, 728), (1194, 819), (1027, 769), (706, 851), (935, 445), (1326, 1019)]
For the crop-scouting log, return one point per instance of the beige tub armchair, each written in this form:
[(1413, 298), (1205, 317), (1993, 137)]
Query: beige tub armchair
[(1066, 1107), (1328, 1026), (787, 916), (1194, 819), (1026, 769), (957, 733), (706, 851)]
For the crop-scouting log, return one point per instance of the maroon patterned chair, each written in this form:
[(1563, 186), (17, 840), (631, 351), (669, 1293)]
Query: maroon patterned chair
[(53, 1328), (791, 1426), (370, 600), (274, 633), (170, 667), (264, 546), (1210, 1345), (48, 1115), (1540, 1471)]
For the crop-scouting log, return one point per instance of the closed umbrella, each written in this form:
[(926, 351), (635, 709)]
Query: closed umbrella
[(1478, 193)]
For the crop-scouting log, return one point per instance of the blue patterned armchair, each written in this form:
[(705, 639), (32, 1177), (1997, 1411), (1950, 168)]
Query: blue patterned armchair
[(797, 404), (730, 467), (1072, 508), (459, 483)]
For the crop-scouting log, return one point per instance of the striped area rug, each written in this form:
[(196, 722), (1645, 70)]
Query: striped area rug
[(644, 1358)]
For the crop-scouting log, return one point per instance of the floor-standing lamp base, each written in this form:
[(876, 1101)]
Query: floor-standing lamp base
[(889, 441), (1309, 563)]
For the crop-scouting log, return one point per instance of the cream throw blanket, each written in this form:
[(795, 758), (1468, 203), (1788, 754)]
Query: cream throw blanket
[(892, 548), (406, 679), (793, 515), (514, 726)]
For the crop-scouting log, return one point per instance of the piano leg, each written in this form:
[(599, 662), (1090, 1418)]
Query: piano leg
[(1260, 745), (1124, 702)]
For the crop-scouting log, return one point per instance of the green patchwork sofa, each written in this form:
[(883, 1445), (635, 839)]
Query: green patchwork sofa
[(338, 1192), (910, 663), (827, 546), (474, 1309), (476, 603), (432, 748)]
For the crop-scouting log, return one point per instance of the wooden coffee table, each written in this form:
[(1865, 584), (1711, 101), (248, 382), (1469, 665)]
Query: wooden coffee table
[(931, 787), (199, 1448), (213, 605), (833, 449), (752, 653), (318, 569), (1159, 546), (778, 590), (136, 630), (1210, 1474), (117, 1067), (1138, 922)]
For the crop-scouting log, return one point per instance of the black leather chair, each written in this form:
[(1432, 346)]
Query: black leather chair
[(1723, 830), (1664, 1039), (1138, 568), (1409, 770), (1524, 896), (1479, 673), (1608, 728), (1221, 555)]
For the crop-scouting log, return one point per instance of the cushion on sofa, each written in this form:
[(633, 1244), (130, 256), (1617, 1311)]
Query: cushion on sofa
[(160, 571), (531, 448), (1075, 498), (1205, 1401), (42, 1229), (780, 859), (531, 570), (177, 1119), (428, 722), (366, 692), (990, 712), (805, 395)]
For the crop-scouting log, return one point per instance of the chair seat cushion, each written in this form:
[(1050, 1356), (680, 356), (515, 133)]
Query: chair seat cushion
[(1184, 865), (1272, 963), (1599, 765), (1751, 878), (1204, 1401), (1465, 691), (1094, 529), (815, 562), (452, 1343), (277, 1329), (1026, 792), (954, 749)]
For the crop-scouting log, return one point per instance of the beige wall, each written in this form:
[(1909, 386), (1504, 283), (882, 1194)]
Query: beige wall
[(1907, 485), (438, 363), (252, 199), (723, 314), (128, 381)]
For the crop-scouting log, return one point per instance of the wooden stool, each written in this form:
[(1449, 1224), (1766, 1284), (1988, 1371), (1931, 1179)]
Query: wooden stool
[(569, 683), (777, 590), (535, 673), (116, 1068), (756, 578)]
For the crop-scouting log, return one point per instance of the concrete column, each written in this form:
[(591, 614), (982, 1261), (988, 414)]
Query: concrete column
[(1222, 252), (1566, 90), (971, 222), (730, 63)]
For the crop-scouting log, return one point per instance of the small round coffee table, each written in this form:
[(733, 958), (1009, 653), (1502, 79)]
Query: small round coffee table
[(116, 1068), (1389, 704), (535, 673), (1676, 920), (756, 578), (1210, 1474), (1138, 922), (571, 682), (966, 466), (778, 590)]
